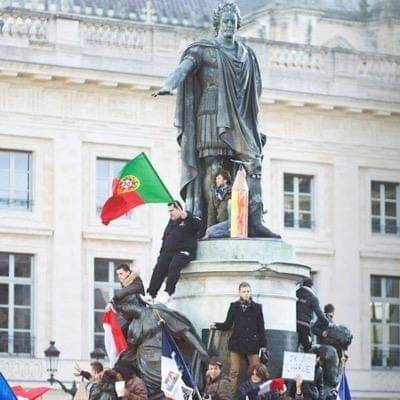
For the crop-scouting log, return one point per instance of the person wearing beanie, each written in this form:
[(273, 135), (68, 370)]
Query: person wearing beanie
[(278, 390), (249, 389), (248, 338), (218, 386), (307, 304)]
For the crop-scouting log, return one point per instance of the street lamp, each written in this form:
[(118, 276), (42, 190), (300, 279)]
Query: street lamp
[(98, 354), (52, 355)]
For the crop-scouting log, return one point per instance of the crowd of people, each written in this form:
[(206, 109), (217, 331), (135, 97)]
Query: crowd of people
[(244, 317)]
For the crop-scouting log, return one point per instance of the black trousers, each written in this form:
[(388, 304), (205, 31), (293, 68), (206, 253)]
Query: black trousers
[(304, 334), (168, 265)]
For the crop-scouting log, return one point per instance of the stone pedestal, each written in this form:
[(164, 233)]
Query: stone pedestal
[(210, 283)]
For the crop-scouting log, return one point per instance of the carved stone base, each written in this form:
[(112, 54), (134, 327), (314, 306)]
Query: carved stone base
[(210, 283)]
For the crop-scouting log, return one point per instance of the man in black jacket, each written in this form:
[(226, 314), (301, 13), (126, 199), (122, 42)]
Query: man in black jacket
[(307, 304), (248, 337), (179, 244)]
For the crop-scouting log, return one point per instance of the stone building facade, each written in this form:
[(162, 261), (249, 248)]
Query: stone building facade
[(75, 85)]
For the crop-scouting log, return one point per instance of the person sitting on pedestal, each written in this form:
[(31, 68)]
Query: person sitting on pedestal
[(307, 304), (179, 244), (218, 386), (218, 223), (249, 389), (248, 337)]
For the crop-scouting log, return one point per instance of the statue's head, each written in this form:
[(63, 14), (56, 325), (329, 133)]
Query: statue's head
[(227, 19)]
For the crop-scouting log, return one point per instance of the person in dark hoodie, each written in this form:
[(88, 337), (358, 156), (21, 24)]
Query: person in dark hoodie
[(307, 304), (179, 244)]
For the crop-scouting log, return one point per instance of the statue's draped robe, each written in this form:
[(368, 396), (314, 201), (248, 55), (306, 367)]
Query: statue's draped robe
[(145, 340), (239, 87)]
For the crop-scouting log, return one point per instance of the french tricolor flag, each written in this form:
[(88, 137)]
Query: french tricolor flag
[(344, 390), (177, 382), (114, 339)]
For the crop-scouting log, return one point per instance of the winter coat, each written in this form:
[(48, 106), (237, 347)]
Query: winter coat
[(104, 390), (218, 209), (219, 389), (248, 328), (319, 326), (307, 304), (136, 287), (135, 389), (181, 235), (250, 390)]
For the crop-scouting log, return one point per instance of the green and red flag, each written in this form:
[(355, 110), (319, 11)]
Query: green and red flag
[(138, 183)]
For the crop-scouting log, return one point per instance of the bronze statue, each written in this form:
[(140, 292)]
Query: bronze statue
[(219, 84), (145, 341)]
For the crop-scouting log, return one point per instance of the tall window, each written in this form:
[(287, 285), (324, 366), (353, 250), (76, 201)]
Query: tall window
[(15, 187), (105, 284), (385, 321), (106, 171), (385, 207), (16, 304), (298, 201)]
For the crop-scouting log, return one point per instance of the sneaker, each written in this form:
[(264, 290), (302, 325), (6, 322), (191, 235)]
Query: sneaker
[(147, 299), (163, 298)]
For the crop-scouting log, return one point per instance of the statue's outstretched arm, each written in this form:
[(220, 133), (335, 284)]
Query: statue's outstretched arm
[(192, 339), (178, 76)]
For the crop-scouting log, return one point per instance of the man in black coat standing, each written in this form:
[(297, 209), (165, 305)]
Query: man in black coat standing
[(307, 304), (248, 337), (179, 244)]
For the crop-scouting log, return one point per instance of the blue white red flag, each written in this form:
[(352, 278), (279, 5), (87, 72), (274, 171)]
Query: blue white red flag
[(343, 391), (177, 382), (5, 391)]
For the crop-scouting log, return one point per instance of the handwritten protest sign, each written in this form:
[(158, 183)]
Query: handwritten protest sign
[(298, 364)]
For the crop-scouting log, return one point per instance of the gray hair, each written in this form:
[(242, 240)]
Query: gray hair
[(227, 6)]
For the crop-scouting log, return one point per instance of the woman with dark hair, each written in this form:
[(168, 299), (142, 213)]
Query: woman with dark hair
[(257, 374)]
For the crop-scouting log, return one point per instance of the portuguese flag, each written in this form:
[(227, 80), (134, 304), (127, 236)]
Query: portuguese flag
[(138, 183)]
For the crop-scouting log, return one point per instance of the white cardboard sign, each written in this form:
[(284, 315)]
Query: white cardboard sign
[(298, 364)]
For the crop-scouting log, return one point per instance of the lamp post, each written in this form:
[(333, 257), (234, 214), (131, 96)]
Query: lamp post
[(52, 355)]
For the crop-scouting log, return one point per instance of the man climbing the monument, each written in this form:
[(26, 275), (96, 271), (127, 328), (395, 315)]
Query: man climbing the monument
[(307, 304), (219, 84), (179, 244)]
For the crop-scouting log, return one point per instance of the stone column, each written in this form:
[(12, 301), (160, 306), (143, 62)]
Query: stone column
[(67, 260)]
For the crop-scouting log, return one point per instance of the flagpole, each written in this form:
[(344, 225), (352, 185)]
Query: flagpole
[(163, 323)]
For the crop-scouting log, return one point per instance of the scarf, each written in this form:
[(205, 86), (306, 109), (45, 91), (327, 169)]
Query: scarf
[(245, 304), (128, 280)]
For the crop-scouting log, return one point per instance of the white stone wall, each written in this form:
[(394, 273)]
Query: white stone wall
[(69, 96)]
